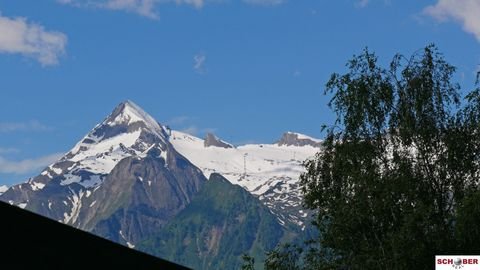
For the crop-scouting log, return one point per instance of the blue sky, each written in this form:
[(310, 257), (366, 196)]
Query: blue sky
[(246, 69)]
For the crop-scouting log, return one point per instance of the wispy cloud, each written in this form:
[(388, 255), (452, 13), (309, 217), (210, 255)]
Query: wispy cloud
[(196, 131), (199, 63), (33, 125), (178, 120), (363, 3), (192, 130), (142, 7), (149, 8), (195, 3), (19, 36), (8, 150), (146, 8), (27, 165), (187, 125), (465, 12), (265, 2)]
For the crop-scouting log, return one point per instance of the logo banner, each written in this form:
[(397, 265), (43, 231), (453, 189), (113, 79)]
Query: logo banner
[(452, 262)]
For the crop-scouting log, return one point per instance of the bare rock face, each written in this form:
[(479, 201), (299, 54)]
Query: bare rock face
[(139, 196), (297, 139), (212, 140)]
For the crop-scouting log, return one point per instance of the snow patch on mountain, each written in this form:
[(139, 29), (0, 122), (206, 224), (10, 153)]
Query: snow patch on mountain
[(22, 205), (36, 185), (76, 201), (305, 137), (69, 179), (3, 189), (101, 158), (57, 171)]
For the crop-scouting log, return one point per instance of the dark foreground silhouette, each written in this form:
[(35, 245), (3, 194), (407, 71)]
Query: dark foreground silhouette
[(30, 241)]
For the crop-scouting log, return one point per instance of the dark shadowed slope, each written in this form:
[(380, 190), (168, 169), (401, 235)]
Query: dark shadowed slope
[(30, 241), (222, 223)]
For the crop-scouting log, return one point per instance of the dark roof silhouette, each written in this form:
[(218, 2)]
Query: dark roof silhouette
[(30, 241)]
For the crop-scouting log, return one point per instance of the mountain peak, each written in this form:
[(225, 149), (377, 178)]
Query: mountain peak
[(297, 139), (128, 112), (212, 140), (127, 131)]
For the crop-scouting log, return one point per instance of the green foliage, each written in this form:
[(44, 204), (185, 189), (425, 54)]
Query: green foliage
[(248, 262), (397, 179), (468, 219), (284, 258)]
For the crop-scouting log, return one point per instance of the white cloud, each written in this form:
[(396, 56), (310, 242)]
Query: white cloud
[(466, 12), (33, 125), (18, 36), (146, 8), (27, 165), (265, 2), (199, 63)]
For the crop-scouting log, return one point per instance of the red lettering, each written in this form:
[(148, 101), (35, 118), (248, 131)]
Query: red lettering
[(470, 261), (445, 261)]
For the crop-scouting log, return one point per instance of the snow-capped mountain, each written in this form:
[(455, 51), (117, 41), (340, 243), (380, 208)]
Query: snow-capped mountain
[(127, 154), (136, 182), (269, 171), (128, 131)]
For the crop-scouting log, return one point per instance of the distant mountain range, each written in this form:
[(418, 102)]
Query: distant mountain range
[(201, 203)]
